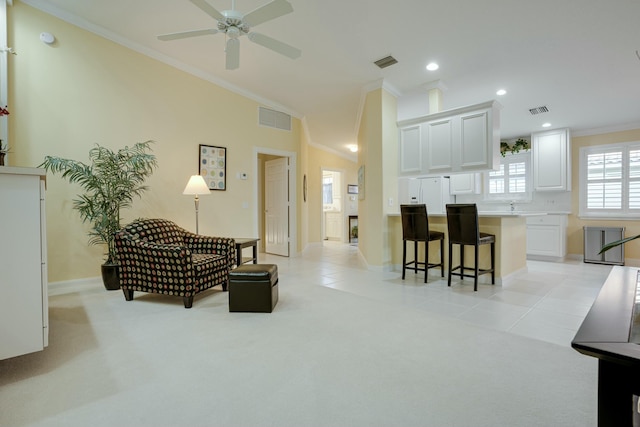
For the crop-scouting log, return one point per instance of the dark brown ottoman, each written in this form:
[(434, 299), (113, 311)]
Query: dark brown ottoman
[(253, 288)]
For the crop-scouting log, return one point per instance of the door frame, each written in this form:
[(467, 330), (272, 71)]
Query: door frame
[(293, 203)]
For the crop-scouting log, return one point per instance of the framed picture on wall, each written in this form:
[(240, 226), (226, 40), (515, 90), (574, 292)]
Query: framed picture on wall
[(212, 164), (352, 189)]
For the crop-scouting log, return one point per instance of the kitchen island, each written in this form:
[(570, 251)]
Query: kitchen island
[(510, 229)]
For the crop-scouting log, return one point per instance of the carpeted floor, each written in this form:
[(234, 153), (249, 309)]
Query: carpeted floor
[(324, 357)]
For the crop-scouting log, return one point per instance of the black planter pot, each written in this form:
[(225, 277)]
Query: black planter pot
[(110, 276)]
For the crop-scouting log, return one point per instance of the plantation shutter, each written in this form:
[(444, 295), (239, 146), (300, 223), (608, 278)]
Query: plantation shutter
[(604, 180)]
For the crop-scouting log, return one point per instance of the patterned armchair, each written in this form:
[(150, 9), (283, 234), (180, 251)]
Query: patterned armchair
[(157, 256)]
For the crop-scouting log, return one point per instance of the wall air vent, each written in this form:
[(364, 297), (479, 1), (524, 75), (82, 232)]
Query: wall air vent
[(274, 119), (385, 62), (538, 110)]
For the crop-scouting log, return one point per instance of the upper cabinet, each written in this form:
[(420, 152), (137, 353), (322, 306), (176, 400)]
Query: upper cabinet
[(551, 160), (410, 150), (454, 141), (465, 183)]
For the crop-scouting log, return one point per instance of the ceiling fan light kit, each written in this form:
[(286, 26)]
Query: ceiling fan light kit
[(234, 25)]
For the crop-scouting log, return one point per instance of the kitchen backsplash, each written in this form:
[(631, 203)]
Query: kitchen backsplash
[(541, 202)]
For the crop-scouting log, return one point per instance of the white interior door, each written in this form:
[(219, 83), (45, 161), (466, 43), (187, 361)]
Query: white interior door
[(276, 201), (332, 205)]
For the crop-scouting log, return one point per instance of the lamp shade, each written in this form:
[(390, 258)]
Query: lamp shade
[(197, 186)]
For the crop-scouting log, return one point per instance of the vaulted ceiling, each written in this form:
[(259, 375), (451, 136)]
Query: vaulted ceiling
[(579, 58)]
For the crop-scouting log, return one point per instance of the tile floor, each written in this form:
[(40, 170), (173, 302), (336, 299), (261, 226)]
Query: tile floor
[(547, 303)]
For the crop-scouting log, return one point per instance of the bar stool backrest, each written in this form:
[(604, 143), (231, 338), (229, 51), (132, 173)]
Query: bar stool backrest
[(415, 222), (462, 223)]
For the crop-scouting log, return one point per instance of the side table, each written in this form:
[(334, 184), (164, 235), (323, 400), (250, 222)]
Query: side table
[(242, 243)]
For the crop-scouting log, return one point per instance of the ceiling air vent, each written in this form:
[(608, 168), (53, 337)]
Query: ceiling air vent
[(385, 62), (274, 119), (538, 110)]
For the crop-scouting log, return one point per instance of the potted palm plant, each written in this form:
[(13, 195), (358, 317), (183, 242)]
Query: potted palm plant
[(110, 183)]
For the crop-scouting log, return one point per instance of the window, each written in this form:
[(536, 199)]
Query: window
[(511, 181), (327, 190), (331, 194), (610, 180)]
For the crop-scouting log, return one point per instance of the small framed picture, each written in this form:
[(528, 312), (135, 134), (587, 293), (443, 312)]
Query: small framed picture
[(352, 189), (212, 165)]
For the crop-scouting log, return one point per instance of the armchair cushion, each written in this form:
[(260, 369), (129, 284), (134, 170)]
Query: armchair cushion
[(157, 256)]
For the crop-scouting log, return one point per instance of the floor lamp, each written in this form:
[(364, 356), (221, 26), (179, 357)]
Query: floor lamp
[(196, 186)]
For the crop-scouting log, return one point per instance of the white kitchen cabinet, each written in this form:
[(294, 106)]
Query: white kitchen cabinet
[(439, 145), (479, 139), (410, 151), (547, 237), (465, 183), (551, 160), (24, 312), (461, 140)]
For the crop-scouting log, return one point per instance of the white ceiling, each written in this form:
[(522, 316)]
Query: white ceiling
[(577, 57)]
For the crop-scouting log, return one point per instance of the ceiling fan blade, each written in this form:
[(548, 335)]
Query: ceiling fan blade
[(275, 45), (232, 51), (185, 34), (267, 12), (209, 10)]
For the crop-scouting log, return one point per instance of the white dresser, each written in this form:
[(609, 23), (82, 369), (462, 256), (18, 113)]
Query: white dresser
[(24, 309)]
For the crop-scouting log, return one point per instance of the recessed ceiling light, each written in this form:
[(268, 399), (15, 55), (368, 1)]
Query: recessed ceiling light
[(432, 66), (501, 92), (546, 125), (353, 148)]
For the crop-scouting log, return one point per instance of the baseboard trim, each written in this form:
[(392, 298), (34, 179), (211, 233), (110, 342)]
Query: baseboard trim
[(628, 262), (75, 285), (507, 280), (546, 258)]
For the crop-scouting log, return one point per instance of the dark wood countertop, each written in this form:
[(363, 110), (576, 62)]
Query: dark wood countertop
[(604, 333)]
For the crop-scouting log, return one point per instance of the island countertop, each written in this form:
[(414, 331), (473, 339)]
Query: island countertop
[(510, 229), (482, 214)]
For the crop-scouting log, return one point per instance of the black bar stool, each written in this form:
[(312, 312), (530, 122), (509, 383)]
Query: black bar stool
[(462, 222), (415, 228)]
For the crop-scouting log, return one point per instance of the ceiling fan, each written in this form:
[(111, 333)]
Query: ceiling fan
[(235, 24)]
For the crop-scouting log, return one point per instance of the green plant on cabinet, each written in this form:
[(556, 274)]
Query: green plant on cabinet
[(520, 144)]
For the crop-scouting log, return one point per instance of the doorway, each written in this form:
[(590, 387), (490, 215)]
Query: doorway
[(275, 199), (276, 203), (333, 205)]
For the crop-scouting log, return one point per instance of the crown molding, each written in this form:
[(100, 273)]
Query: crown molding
[(606, 129), (347, 156)]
